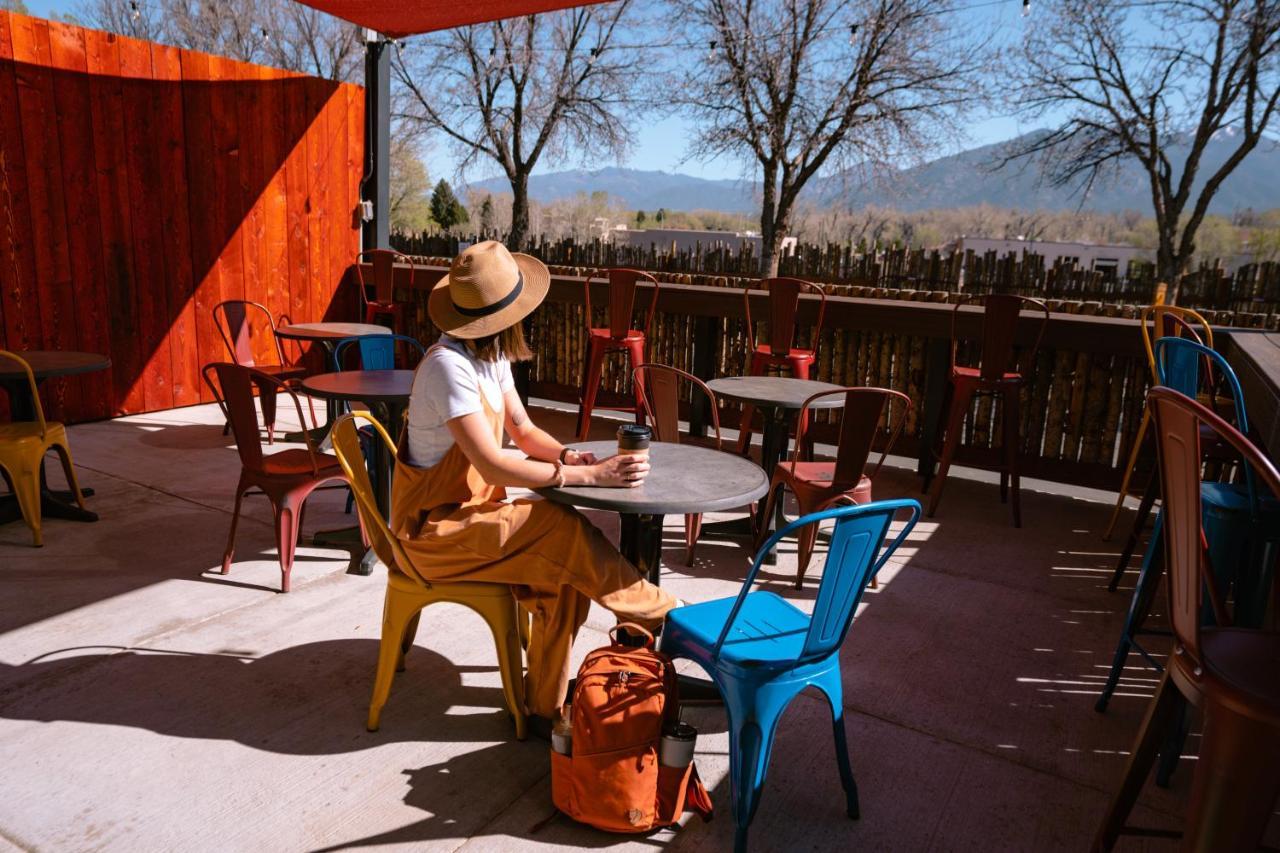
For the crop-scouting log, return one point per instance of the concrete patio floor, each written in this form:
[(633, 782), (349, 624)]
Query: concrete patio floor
[(147, 704)]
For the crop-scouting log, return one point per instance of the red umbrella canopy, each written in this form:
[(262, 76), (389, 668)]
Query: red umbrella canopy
[(396, 18)]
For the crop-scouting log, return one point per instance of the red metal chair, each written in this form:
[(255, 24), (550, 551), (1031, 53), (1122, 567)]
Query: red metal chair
[(821, 485), (998, 374), (1230, 673), (286, 477), (244, 341), (780, 351), (617, 337), (383, 306), (661, 405)]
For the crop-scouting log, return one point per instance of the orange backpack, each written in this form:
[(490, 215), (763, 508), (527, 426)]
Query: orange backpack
[(613, 780)]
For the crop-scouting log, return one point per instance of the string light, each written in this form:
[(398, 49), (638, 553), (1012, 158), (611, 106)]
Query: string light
[(266, 36), (1026, 8), (853, 34), (711, 51), (493, 52), (134, 12)]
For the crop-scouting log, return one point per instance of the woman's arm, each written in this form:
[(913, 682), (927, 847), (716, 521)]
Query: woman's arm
[(472, 434), (533, 440)]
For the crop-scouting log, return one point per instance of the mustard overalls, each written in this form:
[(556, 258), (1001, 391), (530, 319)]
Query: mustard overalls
[(457, 527)]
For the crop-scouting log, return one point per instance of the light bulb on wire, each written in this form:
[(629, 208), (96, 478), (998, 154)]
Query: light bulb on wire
[(1026, 8), (134, 12), (853, 34), (711, 51)]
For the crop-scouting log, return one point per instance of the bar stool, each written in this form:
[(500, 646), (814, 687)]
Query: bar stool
[(1230, 673), (998, 374), (383, 307), (780, 351), (617, 336)]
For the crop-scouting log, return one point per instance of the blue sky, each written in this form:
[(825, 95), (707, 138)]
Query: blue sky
[(661, 144)]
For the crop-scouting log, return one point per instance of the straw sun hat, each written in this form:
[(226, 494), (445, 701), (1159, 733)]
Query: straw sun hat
[(487, 289)]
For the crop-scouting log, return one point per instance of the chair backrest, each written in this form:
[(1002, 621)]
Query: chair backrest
[(860, 418), (1171, 321), (1177, 420), (1178, 363), (346, 446), (377, 352), (243, 337), (784, 305), (659, 388), (1000, 315), (383, 262), (623, 284), (234, 391), (31, 383), (854, 556)]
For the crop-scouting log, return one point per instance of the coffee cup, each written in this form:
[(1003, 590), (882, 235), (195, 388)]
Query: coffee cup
[(633, 439), (676, 747), (562, 733)]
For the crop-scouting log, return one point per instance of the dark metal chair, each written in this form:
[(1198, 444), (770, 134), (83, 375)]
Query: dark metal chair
[(248, 344), (383, 306)]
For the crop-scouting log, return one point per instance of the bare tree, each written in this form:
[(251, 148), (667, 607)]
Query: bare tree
[(801, 85), (523, 91), (274, 32), (1208, 72)]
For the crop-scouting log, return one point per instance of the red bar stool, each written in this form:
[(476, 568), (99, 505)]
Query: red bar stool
[(1229, 673), (998, 374), (780, 351), (618, 336), (383, 307)]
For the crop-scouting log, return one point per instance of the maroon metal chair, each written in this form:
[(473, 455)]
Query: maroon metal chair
[(618, 336), (821, 485), (244, 341), (286, 477), (661, 406), (383, 306), (997, 374), (1231, 674), (780, 351)]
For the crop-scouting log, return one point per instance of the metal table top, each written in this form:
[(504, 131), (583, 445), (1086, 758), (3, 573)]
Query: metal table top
[(682, 478), (374, 386), (778, 392), (329, 331), (46, 364)]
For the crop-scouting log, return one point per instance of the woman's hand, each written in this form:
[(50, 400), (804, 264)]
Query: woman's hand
[(575, 457), (623, 470)]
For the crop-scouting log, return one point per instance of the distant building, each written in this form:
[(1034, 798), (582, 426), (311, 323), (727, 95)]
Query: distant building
[(686, 240), (1112, 261)]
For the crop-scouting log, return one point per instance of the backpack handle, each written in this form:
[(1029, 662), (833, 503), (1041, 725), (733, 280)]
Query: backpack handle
[(645, 632)]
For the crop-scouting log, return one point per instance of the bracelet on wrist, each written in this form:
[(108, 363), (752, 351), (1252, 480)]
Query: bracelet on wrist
[(564, 453), (559, 474)]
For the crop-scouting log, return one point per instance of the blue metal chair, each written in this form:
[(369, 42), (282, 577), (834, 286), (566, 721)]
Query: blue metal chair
[(761, 650), (377, 352), (1240, 526)]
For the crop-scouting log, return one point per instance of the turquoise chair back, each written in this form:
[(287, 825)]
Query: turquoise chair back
[(854, 556), (377, 352)]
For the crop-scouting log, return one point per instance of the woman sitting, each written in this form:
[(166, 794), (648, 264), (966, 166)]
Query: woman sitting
[(448, 499)]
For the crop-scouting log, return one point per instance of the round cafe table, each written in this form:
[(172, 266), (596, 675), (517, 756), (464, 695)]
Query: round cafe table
[(387, 392), (779, 399), (682, 479), (327, 336), (45, 364)]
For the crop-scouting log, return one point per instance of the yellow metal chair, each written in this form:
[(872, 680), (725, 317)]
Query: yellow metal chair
[(1164, 320), (23, 445), (408, 592)]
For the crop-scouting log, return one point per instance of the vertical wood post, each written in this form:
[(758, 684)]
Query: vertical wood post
[(705, 351)]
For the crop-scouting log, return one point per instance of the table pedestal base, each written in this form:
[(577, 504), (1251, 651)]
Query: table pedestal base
[(362, 559)]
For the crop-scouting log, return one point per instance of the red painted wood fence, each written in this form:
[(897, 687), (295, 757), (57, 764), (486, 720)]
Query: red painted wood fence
[(141, 185)]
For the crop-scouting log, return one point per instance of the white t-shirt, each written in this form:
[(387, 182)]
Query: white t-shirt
[(448, 385)]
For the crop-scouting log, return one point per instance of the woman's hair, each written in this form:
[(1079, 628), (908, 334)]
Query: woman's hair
[(509, 344)]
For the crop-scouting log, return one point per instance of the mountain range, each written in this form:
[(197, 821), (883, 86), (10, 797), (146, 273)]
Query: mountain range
[(970, 177)]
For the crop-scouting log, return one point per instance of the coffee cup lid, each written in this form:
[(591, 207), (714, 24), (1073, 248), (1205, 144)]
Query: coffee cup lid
[(635, 430)]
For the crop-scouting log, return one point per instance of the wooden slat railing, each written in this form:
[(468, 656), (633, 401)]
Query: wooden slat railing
[(1080, 409)]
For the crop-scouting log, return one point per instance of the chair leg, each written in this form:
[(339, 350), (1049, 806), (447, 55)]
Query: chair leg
[(595, 367), (267, 399), (227, 555), (1135, 534), (398, 609), (410, 634), (1141, 757), (939, 432), (1237, 780), (800, 370), (1128, 473), (288, 520), (501, 615), (1012, 440), (25, 483), (805, 541), (69, 471), (635, 350), (762, 518), (1139, 607), (955, 423), (833, 689), (692, 527), (744, 429), (753, 719)]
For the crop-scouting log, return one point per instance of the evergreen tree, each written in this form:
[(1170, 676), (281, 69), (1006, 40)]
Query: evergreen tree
[(446, 210), (487, 224), (639, 218)]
